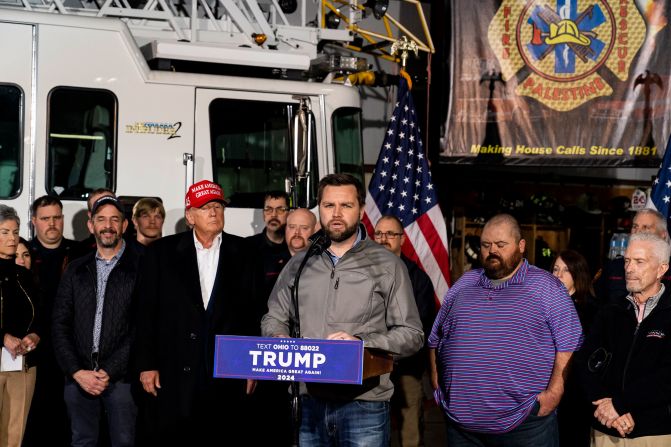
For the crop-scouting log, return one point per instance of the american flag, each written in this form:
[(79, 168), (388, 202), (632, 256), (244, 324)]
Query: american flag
[(661, 186), (401, 186)]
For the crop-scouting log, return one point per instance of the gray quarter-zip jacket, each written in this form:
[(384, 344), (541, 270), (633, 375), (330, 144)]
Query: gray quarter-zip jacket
[(367, 294)]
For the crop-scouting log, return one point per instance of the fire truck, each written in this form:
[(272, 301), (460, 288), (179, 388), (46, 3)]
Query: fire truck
[(146, 98)]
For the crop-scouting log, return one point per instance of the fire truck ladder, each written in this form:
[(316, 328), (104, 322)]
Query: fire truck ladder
[(243, 32)]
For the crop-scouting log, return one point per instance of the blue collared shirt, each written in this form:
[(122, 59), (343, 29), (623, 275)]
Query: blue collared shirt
[(103, 269), (496, 344), (358, 239)]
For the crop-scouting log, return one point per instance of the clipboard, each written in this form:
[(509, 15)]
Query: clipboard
[(8, 364)]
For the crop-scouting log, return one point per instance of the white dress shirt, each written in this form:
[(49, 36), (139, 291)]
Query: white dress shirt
[(208, 261)]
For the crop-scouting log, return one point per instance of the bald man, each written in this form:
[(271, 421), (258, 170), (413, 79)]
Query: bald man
[(301, 224), (535, 324)]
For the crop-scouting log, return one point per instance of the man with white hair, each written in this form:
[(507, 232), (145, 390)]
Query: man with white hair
[(611, 284), (189, 291), (626, 360)]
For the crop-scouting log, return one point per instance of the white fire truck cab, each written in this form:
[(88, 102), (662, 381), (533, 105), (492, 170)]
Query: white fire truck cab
[(80, 109)]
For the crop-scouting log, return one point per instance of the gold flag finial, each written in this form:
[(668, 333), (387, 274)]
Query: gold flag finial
[(404, 46)]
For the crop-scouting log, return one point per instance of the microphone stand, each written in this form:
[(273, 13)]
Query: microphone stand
[(320, 242)]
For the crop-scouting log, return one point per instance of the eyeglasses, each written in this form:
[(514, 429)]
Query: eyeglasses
[(499, 244), (216, 206), (280, 210), (387, 234)]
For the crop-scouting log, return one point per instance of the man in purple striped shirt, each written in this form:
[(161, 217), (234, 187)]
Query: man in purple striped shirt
[(500, 347)]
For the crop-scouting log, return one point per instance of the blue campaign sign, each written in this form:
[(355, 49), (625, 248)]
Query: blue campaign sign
[(289, 359)]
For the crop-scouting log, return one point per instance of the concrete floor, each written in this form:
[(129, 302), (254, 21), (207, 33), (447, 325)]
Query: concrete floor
[(434, 427), (434, 424)]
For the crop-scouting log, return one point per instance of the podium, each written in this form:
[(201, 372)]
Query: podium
[(376, 362), (298, 359)]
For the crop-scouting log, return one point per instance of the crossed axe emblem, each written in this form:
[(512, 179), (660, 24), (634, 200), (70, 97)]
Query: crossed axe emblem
[(564, 31)]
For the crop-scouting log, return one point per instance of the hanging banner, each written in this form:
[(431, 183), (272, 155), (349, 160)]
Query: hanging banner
[(559, 82)]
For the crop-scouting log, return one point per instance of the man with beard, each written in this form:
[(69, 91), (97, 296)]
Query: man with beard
[(501, 344), (301, 224), (50, 251), (93, 327), (88, 245), (408, 400), (269, 247), (625, 365), (270, 254), (271, 400), (355, 290)]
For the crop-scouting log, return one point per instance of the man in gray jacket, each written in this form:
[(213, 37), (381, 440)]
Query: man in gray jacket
[(354, 290)]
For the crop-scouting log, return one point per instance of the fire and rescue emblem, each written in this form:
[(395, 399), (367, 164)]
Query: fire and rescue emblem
[(565, 52)]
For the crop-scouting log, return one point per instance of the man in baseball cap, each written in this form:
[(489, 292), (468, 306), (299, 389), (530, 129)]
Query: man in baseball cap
[(190, 291), (202, 193), (92, 330), (106, 200)]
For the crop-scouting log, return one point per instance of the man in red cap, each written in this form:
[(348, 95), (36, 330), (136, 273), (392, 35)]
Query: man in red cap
[(192, 288)]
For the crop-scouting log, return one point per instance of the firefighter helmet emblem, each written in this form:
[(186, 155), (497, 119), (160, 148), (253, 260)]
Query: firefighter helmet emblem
[(567, 46), (566, 31)]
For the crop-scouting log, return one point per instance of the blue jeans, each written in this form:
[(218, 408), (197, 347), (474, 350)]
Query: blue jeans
[(344, 424), (85, 410), (535, 431)]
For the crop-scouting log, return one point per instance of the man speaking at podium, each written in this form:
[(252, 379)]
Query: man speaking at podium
[(356, 289)]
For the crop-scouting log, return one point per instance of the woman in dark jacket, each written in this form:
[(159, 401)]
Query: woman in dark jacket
[(575, 412), (18, 328)]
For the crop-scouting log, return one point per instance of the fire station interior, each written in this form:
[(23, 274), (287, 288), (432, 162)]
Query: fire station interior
[(558, 207)]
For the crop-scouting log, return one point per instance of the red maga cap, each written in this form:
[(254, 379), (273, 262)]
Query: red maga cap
[(203, 192)]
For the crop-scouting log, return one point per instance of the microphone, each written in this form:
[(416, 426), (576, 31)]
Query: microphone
[(320, 242)]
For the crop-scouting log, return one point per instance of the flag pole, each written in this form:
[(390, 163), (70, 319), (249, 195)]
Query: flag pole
[(401, 185)]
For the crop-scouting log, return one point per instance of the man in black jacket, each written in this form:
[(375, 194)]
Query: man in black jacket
[(193, 287), (269, 247), (610, 286), (625, 363), (50, 251), (93, 328), (408, 399)]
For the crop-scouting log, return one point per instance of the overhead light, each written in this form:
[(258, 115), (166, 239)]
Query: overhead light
[(379, 7), (288, 6), (332, 20)]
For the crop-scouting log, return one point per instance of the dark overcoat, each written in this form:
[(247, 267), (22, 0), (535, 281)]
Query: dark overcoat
[(175, 333)]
